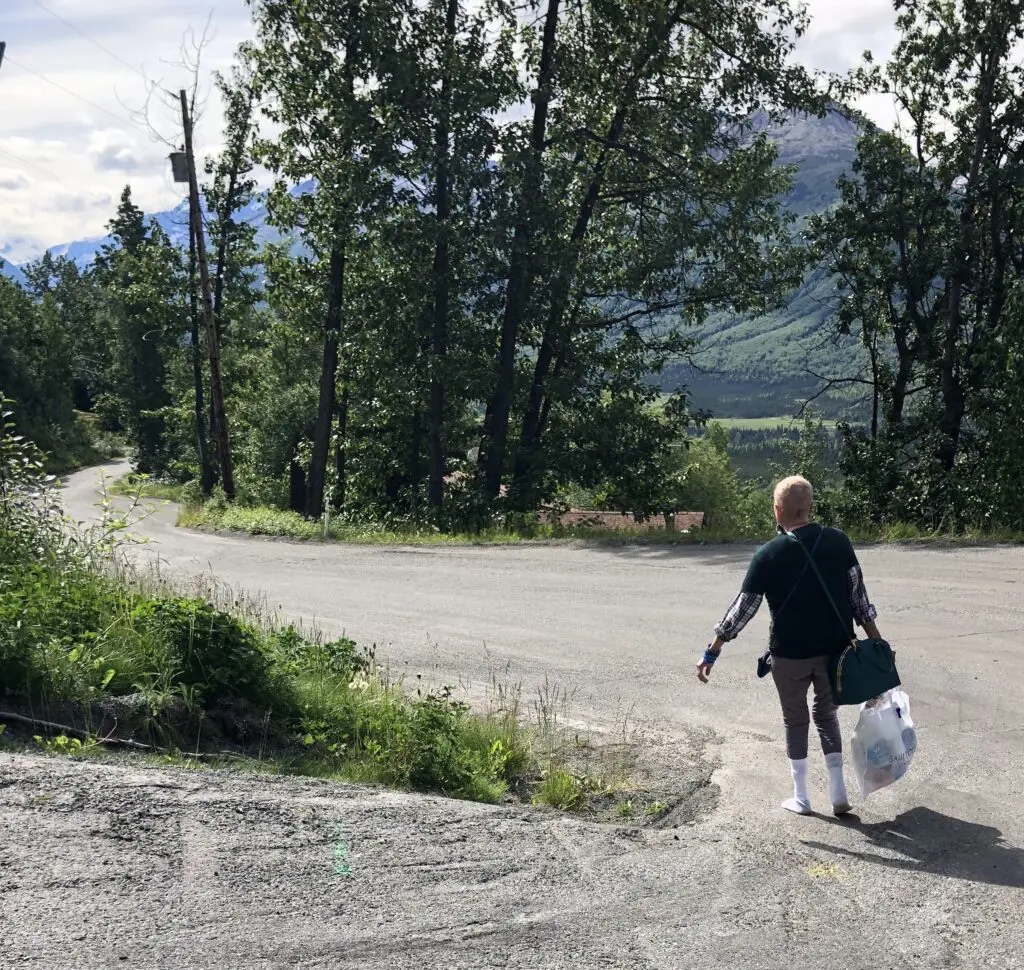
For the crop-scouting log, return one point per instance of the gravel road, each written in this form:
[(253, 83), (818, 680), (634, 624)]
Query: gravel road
[(115, 864)]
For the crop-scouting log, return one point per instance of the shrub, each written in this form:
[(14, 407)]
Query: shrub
[(340, 658), (218, 656)]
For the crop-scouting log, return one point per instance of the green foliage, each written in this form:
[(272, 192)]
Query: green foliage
[(61, 745), (468, 312), (216, 655), (30, 515), (140, 276), (400, 320), (52, 608), (341, 658), (924, 247), (143, 486), (562, 790), (35, 357), (758, 448), (812, 454), (254, 520)]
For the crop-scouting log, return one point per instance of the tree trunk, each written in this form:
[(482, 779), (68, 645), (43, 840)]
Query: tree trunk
[(341, 447), (317, 479), (415, 472), (222, 249), (206, 475), (442, 274), (545, 411), (296, 487), (529, 441), (499, 407), (952, 418), (875, 390), (901, 384), (217, 409)]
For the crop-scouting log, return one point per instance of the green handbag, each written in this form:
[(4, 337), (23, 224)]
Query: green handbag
[(866, 668)]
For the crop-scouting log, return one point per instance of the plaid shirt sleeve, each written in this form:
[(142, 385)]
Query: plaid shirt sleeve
[(863, 611), (744, 608)]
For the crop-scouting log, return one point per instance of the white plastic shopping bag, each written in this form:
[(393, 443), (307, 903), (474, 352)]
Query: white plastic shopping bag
[(884, 741)]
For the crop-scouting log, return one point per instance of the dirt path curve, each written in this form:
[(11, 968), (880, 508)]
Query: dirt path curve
[(106, 865)]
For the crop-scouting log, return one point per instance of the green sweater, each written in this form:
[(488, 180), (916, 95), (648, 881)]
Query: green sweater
[(804, 624)]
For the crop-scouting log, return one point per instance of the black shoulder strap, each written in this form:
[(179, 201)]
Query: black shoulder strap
[(803, 572), (821, 579)]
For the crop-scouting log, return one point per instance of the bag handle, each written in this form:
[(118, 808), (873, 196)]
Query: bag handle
[(821, 579)]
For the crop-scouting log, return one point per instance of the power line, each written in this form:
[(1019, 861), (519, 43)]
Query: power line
[(32, 166), (95, 43), (60, 87)]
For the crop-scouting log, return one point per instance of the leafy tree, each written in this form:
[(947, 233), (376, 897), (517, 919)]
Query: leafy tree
[(229, 193), (456, 73), (35, 367), (926, 248), (140, 274), (72, 294), (319, 64), (642, 191)]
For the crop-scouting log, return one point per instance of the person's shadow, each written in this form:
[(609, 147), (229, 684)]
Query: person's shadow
[(927, 841)]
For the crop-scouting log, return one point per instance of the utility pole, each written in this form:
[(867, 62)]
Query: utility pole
[(3, 49), (220, 420), (206, 474)]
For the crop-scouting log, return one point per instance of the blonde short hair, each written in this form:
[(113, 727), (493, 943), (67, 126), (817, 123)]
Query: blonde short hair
[(795, 497)]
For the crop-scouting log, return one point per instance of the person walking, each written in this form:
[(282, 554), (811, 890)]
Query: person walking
[(805, 635)]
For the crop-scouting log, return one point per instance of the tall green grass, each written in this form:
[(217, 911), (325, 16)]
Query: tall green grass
[(73, 637)]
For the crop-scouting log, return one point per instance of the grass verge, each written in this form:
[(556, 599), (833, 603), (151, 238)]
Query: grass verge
[(264, 521), (135, 485), (95, 659), (255, 520)]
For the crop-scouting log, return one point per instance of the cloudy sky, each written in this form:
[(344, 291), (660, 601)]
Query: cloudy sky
[(76, 74)]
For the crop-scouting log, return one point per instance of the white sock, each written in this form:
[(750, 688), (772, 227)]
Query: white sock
[(800, 803), (837, 784)]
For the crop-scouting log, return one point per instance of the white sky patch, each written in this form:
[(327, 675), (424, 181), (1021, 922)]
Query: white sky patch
[(70, 139)]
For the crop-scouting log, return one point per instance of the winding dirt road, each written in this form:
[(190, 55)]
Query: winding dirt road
[(119, 865)]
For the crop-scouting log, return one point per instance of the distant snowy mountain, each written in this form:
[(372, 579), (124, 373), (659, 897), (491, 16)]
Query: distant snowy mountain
[(174, 222), (7, 266)]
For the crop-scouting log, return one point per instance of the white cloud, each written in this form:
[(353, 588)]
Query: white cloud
[(12, 181), (77, 203), (117, 150), (841, 32), (70, 138), (78, 141)]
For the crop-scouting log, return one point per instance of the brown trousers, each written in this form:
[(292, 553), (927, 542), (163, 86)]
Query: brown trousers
[(793, 679)]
